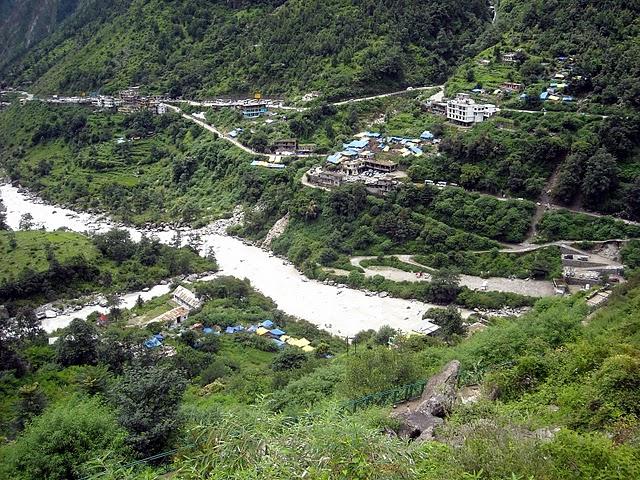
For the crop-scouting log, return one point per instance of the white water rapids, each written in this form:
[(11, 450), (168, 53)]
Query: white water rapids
[(341, 311)]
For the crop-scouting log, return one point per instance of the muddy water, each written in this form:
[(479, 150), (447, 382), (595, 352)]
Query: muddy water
[(341, 311)]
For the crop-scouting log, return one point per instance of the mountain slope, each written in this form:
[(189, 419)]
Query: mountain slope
[(212, 46), (24, 23), (601, 38)]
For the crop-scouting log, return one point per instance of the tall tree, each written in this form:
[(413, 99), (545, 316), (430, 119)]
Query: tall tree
[(600, 177), (148, 400), (78, 345), (444, 287)]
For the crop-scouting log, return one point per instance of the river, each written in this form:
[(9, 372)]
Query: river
[(341, 311)]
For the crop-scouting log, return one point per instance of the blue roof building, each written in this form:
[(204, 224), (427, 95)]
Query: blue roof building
[(567, 98), (236, 329), (335, 158), (544, 96), (356, 144), (349, 153), (207, 330), (372, 134), (416, 150)]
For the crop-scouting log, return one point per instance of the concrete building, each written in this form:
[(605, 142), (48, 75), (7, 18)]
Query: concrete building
[(438, 108), (254, 110), (306, 148), (380, 186), (463, 110), (511, 87), (286, 145), (380, 165), (173, 317), (325, 178), (161, 108)]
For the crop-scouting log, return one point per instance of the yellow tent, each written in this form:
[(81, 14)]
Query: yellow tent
[(308, 349), (285, 338), (262, 331)]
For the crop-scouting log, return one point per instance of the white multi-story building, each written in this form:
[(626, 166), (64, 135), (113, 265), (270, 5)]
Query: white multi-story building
[(465, 111)]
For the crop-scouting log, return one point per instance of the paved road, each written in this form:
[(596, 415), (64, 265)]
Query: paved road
[(281, 106), (544, 112), (213, 129), (384, 95)]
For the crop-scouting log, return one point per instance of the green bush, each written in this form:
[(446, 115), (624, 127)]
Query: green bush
[(59, 444)]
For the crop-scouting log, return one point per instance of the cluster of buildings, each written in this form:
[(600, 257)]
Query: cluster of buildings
[(129, 100), (463, 110), (367, 160), (585, 270), (291, 146), (555, 92)]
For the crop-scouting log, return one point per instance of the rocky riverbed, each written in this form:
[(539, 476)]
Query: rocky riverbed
[(342, 311)]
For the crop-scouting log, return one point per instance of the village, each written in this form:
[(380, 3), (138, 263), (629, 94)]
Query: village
[(369, 159)]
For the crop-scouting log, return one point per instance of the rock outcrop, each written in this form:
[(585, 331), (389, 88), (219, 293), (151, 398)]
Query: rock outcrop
[(278, 229), (435, 404)]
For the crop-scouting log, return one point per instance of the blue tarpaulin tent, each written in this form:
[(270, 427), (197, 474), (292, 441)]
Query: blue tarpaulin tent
[(267, 324), (279, 343), (207, 330), (426, 135), (153, 342), (277, 332)]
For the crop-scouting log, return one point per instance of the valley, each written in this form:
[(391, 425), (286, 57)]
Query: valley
[(276, 239)]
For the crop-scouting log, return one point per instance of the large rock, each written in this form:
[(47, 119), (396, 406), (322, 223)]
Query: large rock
[(440, 393), (435, 404)]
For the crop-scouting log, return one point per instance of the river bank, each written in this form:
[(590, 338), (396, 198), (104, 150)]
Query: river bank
[(342, 311)]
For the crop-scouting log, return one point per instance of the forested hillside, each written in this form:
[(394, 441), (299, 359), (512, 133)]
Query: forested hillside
[(600, 39), (188, 48), (23, 23)]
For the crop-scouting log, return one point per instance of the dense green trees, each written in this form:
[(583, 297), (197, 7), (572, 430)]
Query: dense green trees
[(600, 177), (64, 264), (3, 216), (376, 369), (448, 319), (78, 345), (60, 443), (187, 48), (148, 400)]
